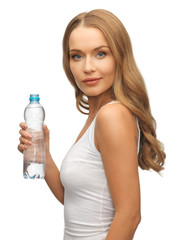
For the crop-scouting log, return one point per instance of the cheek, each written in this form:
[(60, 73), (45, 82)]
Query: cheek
[(109, 71), (75, 70), (72, 68), (108, 66)]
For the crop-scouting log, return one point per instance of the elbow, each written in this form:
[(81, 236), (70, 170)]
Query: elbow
[(136, 219), (133, 218)]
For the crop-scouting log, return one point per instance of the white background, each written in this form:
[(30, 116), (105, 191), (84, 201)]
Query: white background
[(31, 62)]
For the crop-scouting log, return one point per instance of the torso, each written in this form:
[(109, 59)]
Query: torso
[(88, 206), (88, 123)]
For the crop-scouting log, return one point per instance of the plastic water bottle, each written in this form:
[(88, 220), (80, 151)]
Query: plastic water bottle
[(34, 156)]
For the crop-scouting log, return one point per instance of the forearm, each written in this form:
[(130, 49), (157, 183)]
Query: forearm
[(52, 178), (123, 227)]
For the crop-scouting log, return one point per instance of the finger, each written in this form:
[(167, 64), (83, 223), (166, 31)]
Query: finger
[(46, 137), (45, 129), (25, 141), (23, 125), (46, 132), (25, 134), (22, 147)]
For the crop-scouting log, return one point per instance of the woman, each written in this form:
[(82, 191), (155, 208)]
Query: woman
[(98, 182)]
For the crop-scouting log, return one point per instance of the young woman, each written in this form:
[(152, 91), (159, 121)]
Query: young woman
[(98, 182)]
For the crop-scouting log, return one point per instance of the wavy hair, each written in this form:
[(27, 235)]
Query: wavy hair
[(129, 87)]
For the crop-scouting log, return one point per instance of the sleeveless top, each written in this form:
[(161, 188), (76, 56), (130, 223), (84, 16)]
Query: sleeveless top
[(88, 206)]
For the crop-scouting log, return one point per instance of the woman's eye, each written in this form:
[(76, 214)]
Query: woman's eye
[(101, 54), (76, 57)]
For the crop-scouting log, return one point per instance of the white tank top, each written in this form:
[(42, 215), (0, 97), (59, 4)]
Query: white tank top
[(88, 206)]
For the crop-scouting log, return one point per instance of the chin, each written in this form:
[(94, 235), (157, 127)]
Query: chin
[(96, 93), (92, 94)]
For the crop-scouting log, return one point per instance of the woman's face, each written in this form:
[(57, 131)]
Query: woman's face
[(91, 61)]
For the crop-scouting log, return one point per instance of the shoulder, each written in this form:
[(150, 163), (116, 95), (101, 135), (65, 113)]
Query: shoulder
[(115, 121), (115, 134), (115, 113)]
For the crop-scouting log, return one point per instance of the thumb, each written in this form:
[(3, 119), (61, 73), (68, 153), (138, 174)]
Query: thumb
[(46, 132), (46, 137)]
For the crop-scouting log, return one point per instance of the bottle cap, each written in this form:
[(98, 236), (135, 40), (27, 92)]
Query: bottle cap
[(34, 97)]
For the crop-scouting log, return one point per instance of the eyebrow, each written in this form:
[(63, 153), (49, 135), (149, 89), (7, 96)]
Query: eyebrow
[(97, 48)]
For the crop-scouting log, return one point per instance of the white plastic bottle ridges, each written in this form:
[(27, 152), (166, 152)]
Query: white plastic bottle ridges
[(34, 156)]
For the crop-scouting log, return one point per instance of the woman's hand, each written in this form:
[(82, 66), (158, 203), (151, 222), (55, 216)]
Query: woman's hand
[(46, 139), (26, 138)]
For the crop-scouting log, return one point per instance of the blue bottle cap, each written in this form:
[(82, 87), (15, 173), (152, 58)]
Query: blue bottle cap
[(34, 97)]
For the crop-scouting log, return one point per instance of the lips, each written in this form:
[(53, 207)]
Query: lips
[(91, 81)]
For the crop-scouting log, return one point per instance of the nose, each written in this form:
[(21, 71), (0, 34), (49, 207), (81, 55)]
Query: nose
[(89, 65)]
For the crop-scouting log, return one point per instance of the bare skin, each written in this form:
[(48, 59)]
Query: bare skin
[(116, 132), (52, 174)]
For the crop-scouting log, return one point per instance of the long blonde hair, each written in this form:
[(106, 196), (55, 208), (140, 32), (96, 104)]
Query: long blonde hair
[(129, 87)]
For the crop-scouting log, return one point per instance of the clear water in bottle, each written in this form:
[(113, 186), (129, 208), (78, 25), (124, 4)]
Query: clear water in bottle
[(34, 156)]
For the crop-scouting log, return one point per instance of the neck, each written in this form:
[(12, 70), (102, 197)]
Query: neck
[(96, 102)]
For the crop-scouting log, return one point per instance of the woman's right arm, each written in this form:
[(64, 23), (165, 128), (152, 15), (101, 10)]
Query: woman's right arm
[(52, 178), (52, 173)]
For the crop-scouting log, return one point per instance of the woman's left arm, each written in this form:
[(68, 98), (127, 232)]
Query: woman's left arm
[(116, 138)]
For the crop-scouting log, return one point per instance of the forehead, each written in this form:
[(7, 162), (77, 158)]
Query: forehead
[(83, 37)]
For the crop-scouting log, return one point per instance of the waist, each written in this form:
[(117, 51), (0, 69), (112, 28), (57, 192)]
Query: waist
[(87, 218)]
